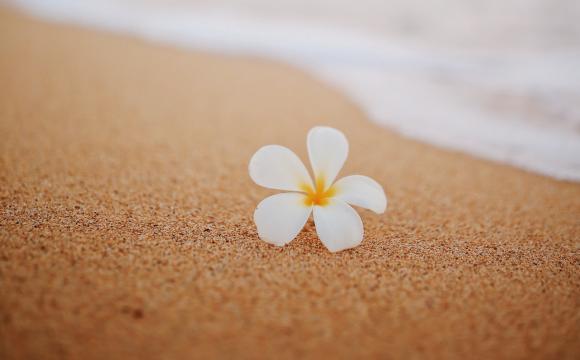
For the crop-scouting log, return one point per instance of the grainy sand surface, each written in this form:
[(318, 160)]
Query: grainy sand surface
[(126, 220)]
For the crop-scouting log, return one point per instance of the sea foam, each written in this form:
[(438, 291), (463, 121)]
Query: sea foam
[(517, 107)]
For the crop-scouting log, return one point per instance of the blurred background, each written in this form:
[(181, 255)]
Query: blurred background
[(498, 79)]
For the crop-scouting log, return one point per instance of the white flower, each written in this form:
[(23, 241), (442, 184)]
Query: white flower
[(280, 217)]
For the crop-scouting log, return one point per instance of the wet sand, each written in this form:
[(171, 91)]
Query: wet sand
[(126, 220)]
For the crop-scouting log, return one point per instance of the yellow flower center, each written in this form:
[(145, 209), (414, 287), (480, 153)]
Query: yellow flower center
[(318, 196)]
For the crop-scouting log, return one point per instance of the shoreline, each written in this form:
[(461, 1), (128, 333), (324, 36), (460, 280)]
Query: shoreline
[(491, 103)]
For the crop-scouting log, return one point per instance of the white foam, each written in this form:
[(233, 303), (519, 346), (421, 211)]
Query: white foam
[(517, 107)]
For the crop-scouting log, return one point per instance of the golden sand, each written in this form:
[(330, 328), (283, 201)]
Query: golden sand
[(126, 220)]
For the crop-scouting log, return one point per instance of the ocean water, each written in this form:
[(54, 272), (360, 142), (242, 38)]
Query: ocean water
[(497, 79)]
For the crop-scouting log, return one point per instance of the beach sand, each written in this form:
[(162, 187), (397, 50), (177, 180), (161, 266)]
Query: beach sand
[(126, 225)]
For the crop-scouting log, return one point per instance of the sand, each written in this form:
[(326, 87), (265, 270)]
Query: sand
[(126, 220)]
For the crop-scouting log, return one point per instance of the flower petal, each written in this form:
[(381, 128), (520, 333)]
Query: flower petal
[(338, 225), (280, 217), (277, 167), (327, 150), (361, 191)]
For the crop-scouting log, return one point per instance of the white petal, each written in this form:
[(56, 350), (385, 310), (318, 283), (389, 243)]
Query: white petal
[(338, 225), (327, 150), (277, 167), (280, 217), (361, 191)]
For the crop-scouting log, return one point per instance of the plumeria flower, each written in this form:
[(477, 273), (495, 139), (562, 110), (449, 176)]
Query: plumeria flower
[(280, 217)]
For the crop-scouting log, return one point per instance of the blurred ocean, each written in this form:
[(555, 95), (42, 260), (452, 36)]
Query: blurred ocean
[(496, 79)]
